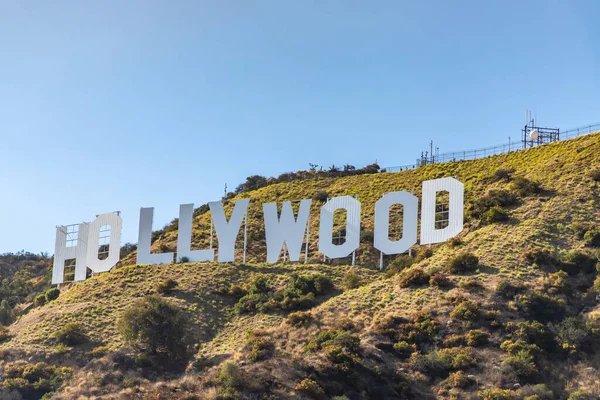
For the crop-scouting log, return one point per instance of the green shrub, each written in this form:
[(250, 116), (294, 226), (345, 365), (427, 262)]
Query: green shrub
[(404, 349), (332, 337), (250, 303), (494, 198), (414, 277), (503, 174), (508, 290), (577, 261), (39, 300), (343, 359), (524, 187), (493, 215), (155, 326), (71, 334), (258, 348), (184, 259), (459, 379), (310, 388), (521, 364), (167, 286), (440, 280), (52, 294), (6, 313), (351, 280), (576, 334), (592, 238), (230, 375), (463, 263), (597, 284), (513, 347), (477, 338), (299, 319), (540, 257), (34, 381), (466, 311), (541, 307), (439, 363), (323, 284), (399, 264), (454, 341), (537, 333)]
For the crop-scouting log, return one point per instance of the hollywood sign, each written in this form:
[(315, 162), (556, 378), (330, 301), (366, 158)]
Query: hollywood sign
[(280, 229)]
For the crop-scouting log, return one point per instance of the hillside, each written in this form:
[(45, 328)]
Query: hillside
[(507, 310)]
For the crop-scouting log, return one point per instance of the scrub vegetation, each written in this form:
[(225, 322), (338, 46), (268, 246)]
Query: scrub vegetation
[(507, 310)]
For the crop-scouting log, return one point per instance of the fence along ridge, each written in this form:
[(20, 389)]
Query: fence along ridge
[(475, 154)]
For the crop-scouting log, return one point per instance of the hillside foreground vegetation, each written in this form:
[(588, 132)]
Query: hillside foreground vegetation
[(507, 310)]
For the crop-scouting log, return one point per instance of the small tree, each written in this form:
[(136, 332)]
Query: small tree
[(155, 326), (6, 313), (52, 294), (71, 334)]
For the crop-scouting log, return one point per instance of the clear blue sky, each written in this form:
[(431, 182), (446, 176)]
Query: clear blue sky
[(114, 105)]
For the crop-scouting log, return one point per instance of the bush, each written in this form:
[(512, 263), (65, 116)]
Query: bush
[(424, 253), (466, 311), (503, 174), (6, 313), (592, 238), (321, 196), (477, 338), (536, 333), (332, 337), (351, 280), (414, 277), (540, 257), (310, 388), (521, 364), (524, 187), (156, 326), (299, 319), (258, 348), (494, 214), (508, 290), (323, 284), (39, 300), (577, 261), (399, 264), (230, 375), (237, 291), (494, 198), (71, 334), (595, 175), (439, 363), (440, 280), (167, 286), (463, 263), (52, 294), (458, 379), (541, 307), (404, 349), (455, 242)]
